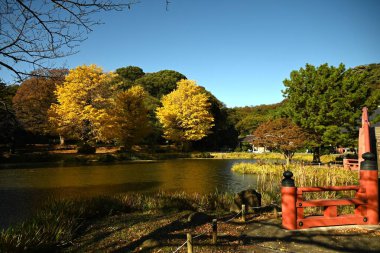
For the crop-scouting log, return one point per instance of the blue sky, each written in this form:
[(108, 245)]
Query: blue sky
[(240, 50)]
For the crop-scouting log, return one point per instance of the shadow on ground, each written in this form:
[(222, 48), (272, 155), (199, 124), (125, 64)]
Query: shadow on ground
[(152, 232), (268, 234)]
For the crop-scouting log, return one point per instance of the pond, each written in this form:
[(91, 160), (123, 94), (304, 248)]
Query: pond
[(24, 189)]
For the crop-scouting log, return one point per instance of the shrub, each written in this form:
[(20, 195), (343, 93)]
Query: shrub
[(86, 149), (107, 158), (202, 155)]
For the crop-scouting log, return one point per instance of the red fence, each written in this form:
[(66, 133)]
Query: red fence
[(365, 201)]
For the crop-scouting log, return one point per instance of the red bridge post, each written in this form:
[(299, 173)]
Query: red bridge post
[(288, 201), (364, 144), (369, 182)]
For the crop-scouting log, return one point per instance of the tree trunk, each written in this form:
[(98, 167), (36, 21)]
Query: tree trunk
[(316, 155), (186, 146), (12, 146), (287, 161), (61, 140), (86, 129), (288, 157)]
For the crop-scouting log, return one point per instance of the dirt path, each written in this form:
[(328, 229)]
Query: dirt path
[(164, 233), (268, 236)]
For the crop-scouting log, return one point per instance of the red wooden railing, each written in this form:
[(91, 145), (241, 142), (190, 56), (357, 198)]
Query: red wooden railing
[(365, 201), (330, 213)]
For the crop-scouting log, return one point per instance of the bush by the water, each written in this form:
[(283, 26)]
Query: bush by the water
[(202, 155), (60, 221), (86, 149)]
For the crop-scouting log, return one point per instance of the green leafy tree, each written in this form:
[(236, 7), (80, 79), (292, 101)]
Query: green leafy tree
[(127, 76), (160, 83), (8, 122), (372, 72), (185, 113), (280, 134), (130, 73), (7, 92), (326, 101), (247, 119)]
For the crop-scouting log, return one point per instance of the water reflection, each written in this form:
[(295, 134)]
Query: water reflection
[(19, 203), (22, 191)]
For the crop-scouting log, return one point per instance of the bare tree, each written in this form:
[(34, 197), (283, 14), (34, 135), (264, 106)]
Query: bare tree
[(33, 32)]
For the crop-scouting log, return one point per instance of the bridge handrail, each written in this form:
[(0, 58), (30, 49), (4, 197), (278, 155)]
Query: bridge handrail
[(350, 160), (300, 190)]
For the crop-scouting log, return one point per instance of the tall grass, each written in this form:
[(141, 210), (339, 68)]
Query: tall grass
[(269, 178), (60, 221), (167, 202), (298, 157)]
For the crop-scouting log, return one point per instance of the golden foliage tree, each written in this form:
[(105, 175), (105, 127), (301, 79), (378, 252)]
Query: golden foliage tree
[(280, 134), (185, 114), (83, 100), (129, 116)]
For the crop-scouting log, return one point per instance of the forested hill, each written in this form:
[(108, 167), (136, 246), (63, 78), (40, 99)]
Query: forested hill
[(246, 119)]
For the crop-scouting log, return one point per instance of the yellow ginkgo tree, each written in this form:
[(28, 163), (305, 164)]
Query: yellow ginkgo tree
[(83, 101), (185, 114), (129, 116)]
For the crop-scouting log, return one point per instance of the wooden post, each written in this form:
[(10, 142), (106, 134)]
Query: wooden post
[(214, 231), (275, 213), (189, 243), (288, 202), (243, 213), (369, 181)]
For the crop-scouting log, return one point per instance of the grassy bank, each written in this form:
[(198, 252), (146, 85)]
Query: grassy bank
[(61, 221), (298, 157), (74, 158), (269, 178)]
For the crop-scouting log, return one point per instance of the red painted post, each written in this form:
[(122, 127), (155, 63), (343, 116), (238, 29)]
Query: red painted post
[(369, 182), (364, 138), (288, 201)]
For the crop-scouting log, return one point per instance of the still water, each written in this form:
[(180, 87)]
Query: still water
[(24, 189)]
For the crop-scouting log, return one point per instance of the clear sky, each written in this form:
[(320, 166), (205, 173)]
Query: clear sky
[(240, 50)]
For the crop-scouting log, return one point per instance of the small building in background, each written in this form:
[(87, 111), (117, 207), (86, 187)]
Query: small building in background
[(246, 145)]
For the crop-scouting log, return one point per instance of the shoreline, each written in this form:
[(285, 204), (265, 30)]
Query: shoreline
[(65, 158)]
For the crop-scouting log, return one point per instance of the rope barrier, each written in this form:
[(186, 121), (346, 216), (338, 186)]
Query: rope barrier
[(219, 222), (231, 218), (199, 235), (180, 247)]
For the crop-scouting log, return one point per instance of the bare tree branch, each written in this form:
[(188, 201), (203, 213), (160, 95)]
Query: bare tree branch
[(167, 2), (32, 33)]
